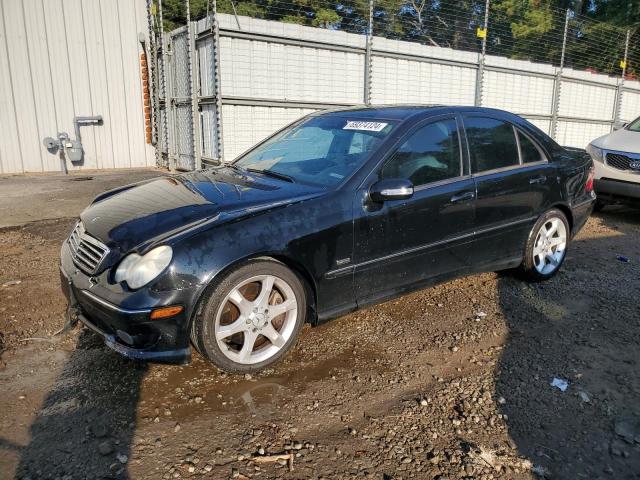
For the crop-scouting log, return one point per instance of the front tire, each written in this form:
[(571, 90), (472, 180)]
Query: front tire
[(251, 317), (546, 246)]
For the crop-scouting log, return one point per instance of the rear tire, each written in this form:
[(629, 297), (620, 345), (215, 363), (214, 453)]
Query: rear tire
[(546, 247), (251, 317)]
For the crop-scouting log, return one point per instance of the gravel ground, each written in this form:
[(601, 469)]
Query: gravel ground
[(449, 382)]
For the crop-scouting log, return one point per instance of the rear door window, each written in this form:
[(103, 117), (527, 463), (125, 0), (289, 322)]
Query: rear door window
[(492, 144), (528, 150)]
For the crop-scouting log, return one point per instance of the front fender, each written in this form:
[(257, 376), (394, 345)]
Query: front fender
[(310, 237)]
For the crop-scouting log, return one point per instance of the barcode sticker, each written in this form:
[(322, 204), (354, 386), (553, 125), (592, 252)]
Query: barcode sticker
[(367, 126)]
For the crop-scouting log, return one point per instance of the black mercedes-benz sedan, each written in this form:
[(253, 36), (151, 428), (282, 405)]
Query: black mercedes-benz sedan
[(338, 210)]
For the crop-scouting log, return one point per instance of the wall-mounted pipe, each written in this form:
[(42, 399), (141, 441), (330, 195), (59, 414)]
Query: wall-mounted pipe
[(72, 148), (79, 121)]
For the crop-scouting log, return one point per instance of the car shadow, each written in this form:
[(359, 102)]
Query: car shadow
[(613, 214), (86, 424), (582, 326)]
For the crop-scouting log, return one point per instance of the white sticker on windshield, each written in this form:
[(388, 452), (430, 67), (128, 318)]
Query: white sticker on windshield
[(367, 126)]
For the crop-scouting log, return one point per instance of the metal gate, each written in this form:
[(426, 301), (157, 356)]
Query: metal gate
[(175, 101), (181, 141)]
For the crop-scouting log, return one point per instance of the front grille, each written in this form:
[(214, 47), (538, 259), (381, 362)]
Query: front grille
[(87, 252), (619, 161)]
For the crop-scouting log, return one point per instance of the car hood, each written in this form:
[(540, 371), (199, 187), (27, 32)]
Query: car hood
[(622, 140), (139, 215)]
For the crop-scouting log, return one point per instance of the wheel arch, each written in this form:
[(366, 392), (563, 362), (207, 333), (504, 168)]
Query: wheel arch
[(567, 213), (308, 282)]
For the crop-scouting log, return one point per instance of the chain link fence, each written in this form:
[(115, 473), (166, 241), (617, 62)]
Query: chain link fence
[(247, 68)]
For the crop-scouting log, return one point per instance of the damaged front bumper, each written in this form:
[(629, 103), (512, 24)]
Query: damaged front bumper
[(125, 327)]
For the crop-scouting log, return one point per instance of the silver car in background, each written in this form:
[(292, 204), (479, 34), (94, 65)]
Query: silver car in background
[(616, 157)]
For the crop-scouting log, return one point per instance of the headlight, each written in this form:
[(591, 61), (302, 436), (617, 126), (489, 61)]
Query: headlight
[(138, 270), (595, 152)]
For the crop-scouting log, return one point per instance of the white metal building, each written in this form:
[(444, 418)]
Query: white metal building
[(65, 58)]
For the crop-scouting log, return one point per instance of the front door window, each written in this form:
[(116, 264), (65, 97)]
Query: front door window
[(431, 154)]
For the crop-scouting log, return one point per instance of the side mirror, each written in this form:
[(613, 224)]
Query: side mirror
[(391, 189), (619, 125)]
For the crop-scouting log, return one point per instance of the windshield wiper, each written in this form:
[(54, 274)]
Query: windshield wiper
[(237, 168), (271, 173)]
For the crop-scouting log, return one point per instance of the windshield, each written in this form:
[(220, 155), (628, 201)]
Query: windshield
[(635, 125), (321, 150)]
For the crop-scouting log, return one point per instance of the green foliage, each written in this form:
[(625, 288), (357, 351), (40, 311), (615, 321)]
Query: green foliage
[(326, 18), (536, 23)]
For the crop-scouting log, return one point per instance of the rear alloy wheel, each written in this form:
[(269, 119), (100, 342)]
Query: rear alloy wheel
[(546, 246), (252, 317)]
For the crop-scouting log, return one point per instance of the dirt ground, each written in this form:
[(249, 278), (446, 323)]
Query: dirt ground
[(450, 382)]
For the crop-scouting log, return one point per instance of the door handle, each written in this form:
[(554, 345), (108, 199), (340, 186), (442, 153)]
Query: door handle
[(538, 179), (463, 197)]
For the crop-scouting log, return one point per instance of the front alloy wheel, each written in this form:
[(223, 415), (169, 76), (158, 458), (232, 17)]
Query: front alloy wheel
[(256, 319), (546, 246), (252, 317)]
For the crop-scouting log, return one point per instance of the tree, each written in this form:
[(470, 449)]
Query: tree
[(625, 14)]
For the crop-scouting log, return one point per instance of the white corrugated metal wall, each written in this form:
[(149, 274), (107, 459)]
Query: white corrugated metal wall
[(66, 58), (266, 80)]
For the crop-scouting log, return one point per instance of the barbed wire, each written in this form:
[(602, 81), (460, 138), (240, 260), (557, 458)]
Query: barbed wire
[(347, 16), (520, 33)]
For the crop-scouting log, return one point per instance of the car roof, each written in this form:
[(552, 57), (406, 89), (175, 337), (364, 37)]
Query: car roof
[(405, 112)]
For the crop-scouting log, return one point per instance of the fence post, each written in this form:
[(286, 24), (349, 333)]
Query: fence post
[(555, 106), (617, 109), (217, 81), (166, 86), (480, 72), (152, 59), (368, 64), (195, 93), (193, 82)]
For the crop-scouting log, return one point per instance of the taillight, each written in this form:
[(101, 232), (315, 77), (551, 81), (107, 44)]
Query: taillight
[(589, 185)]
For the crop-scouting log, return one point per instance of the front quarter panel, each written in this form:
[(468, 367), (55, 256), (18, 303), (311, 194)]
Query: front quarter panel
[(311, 236)]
